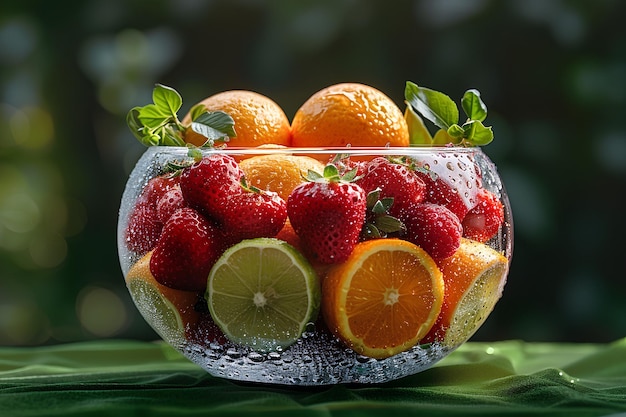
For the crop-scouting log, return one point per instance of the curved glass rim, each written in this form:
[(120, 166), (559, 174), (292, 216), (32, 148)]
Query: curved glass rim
[(353, 150)]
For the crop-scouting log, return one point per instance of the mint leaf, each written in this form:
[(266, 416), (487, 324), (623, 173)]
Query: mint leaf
[(473, 106), (433, 105), (477, 134), (439, 109), (157, 123), (152, 116), (197, 110), (134, 124), (171, 136), (456, 132), (218, 121), (167, 100)]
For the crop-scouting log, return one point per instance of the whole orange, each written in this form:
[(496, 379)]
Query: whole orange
[(258, 119), (349, 114)]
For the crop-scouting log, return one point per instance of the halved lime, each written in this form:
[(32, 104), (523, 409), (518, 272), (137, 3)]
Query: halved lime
[(262, 293)]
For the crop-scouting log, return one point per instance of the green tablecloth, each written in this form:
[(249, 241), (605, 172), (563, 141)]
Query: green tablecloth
[(130, 378)]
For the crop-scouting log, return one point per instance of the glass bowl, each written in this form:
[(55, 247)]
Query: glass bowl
[(439, 246)]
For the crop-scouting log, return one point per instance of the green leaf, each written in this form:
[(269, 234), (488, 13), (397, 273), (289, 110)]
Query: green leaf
[(387, 202), (218, 121), (370, 232), (133, 122), (197, 110), (379, 208), (157, 123), (474, 107), (372, 197), (313, 175), (152, 116), (389, 224), (209, 133), (349, 176), (418, 133), (331, 172), (478, 134), (167, 99), (456, 132), (171, 136), (433, 105), (195, 153)]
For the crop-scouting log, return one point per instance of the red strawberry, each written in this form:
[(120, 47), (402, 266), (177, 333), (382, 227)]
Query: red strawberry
[(483, 221), (215, 185), (327, 213), (144, 226), (434, 228), (209, 182), (187, 249), (169, 202), (451, 180), (253, 213), (395, 179)]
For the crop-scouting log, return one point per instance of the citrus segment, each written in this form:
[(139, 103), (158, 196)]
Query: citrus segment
[(262, 293), (349, 114), (258, 119), (474, 278), (384, 298), (171, 313), (278, 173)]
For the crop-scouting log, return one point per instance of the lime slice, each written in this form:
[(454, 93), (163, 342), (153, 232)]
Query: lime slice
[(262, 293), (168, 311)]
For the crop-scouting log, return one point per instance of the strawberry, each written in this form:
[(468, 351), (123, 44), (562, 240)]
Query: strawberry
[(209, 182), (169, 202), (434, 228), (253, 213), (216, 186), (483, 221), (186, 250), (396, 180), (327, 213), (451, 180), (144, 225)]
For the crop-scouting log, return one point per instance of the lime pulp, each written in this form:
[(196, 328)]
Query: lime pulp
[(262, 293)]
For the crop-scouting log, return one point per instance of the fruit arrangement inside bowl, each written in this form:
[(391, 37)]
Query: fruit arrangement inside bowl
[(346, 246)]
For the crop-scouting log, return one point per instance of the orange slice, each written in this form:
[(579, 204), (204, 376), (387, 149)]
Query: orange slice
[(474, 278), (384, 298), (169, 312)]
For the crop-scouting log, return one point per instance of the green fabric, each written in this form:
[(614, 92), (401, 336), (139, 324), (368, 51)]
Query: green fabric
[(129, 378)]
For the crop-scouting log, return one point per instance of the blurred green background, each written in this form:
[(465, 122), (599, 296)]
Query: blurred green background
[(552, 72)]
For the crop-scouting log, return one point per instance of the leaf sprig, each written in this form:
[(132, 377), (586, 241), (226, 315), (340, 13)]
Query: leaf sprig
[(440, 110), (157, 124)]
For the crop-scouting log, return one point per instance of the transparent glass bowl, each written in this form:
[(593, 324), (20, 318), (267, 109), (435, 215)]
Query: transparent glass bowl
[(317, 357)]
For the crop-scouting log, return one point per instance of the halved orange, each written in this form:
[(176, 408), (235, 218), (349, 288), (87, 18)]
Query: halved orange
[(279, 173), (474, 278), (168, 311), (384, 298)]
